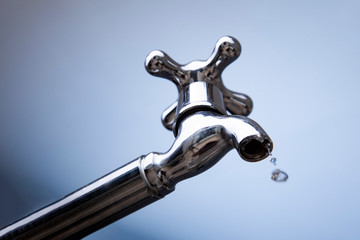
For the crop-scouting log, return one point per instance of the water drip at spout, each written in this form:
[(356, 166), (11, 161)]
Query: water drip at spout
[(277, 175)]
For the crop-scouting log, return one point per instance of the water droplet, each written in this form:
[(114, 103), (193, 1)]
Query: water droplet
[(273, 160), (279, 176)]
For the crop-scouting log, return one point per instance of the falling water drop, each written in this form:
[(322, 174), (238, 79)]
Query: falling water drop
[(279, 176), (273, 160)]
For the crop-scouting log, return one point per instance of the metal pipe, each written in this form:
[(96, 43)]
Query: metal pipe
[(90, 208), (203, 139)]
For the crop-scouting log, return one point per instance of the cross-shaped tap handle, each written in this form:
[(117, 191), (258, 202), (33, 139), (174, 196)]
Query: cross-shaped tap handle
[(206, 75)]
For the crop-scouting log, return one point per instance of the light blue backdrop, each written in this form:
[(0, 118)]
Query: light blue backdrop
[(76, 103)]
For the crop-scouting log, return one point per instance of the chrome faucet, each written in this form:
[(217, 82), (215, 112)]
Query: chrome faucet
[(204, 133)]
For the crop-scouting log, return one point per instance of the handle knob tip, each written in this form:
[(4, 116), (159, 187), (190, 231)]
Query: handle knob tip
[(154, 62)]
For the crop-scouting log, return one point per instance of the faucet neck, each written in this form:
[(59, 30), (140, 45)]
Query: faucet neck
[(198, 96)]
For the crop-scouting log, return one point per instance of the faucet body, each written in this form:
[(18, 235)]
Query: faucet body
[(204, 134), (204, 138)]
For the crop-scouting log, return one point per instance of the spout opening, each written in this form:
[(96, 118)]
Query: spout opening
[(255, 149)]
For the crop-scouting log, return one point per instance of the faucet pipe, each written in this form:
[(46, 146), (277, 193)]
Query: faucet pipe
[(204, 138), (88, 209)]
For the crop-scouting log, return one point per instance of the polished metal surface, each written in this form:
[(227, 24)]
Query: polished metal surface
[(204, 134), (88, 209)]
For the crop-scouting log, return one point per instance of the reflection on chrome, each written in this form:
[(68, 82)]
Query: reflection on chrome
[(204, 134)]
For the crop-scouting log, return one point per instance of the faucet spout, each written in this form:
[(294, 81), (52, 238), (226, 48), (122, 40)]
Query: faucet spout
[(251, 141), (203, 139)]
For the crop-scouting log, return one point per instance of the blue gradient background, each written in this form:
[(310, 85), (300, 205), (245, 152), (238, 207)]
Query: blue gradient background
[(76, 103)]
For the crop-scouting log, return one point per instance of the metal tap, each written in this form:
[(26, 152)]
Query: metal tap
[(205, 131)]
